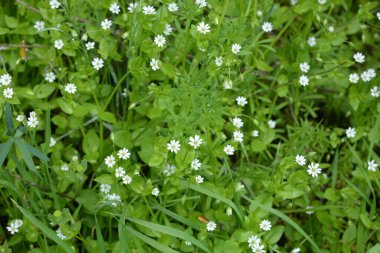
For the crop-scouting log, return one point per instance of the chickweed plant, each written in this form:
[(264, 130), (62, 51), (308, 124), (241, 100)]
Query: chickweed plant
[(189, 126)]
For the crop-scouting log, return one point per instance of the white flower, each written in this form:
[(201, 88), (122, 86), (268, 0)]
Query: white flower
[(255, 133), (296, 250), (313, 169), (238, 136), (127, 179), (39, 25), (124, 154), (237, 122), (368, 75), (54, 4), (70, 88), (174, 146), (5, 79), (32, 120), (258, 248), (253, 240), (353, 78), (227, 84), (106, 24), (187, 243), (97, 63), (218, 61), (375, 92), (160, 40), (154, 64), (110, 161), (378, 15), (350, 132), (359, 57), (242, 101), (8, 92), (300, 160), (115, 8), (50, 77), (195, 141), (293, 2), (20, 118), (310, 210), (196, 164), (229, 211), (199, 179), (173, 7), (229, 150), (239, 187), (322, 1), (132, 6), (271, 123), (168, 29), (304, 80), (149, 10), (14, 226), (305, 67), (113, 198), (119, 172), (155, 192), (90, 45), (201, 3), (203, 28), (312, 41), (265, 225), (105, 188), (211, 226), (235, 48), (60, 234), (331, 29), (372, 165), (259, 13), (65, 167), (267, 27)]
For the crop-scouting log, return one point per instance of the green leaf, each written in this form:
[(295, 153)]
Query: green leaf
[(375, 249), (274, 235), (36, 152), (107, 116), (105, 179), (65, 106), (26, 156), (4, 150), (9, 118), (99, 237), (43, 90), (91, 142)]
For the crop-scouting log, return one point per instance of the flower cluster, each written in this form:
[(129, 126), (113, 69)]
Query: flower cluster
[(14, 226)]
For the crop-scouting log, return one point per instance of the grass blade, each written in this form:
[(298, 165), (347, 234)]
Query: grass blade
[(176, 216), (99, 237)]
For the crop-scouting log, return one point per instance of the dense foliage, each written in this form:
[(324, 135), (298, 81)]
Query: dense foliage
[(189, 126)]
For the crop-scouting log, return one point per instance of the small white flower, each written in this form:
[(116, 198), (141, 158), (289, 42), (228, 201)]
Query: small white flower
[(119, 172), (195, 141), (5, 79), (237, 122), (160, 40), (39, 25), (187, 243), (293, 2), (304, 80), (196, 164), (359, 57), (375, 92), (110, 161), (372, 165), (90, 45), (253, 240), (255, 133), (32, 120), (239, 187), (310, 210), (105, 188), (235, 48), (173, 7), (350, 132), (132, 6), (106, 24), (259, 13), (267, 27), (218, 61), (20, 118), (296, 250), (238, 136), (149, 10), (242, 101), (52, 142), (305, 67), (65, 167), (229, 211), (12, 228), (199, 179), (155, 192), (8, 92), (313, 169), (353, 78), (127, 179), (227, 84), (378, 15), (54, 4), (124, 154), (168, 29), (229, 150), (211, 226), (50, 77), (201, 3), (203, 28), (70, 88), (174, 146), (154, 64), (271, 123), (300, 160), (115, 8), (331, 29), (312, 41), (265, 225), (368, 75), (322, 1), (113, 198), (97, 63)]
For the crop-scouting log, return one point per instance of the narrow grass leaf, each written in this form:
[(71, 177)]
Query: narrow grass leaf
[(4, 150)]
